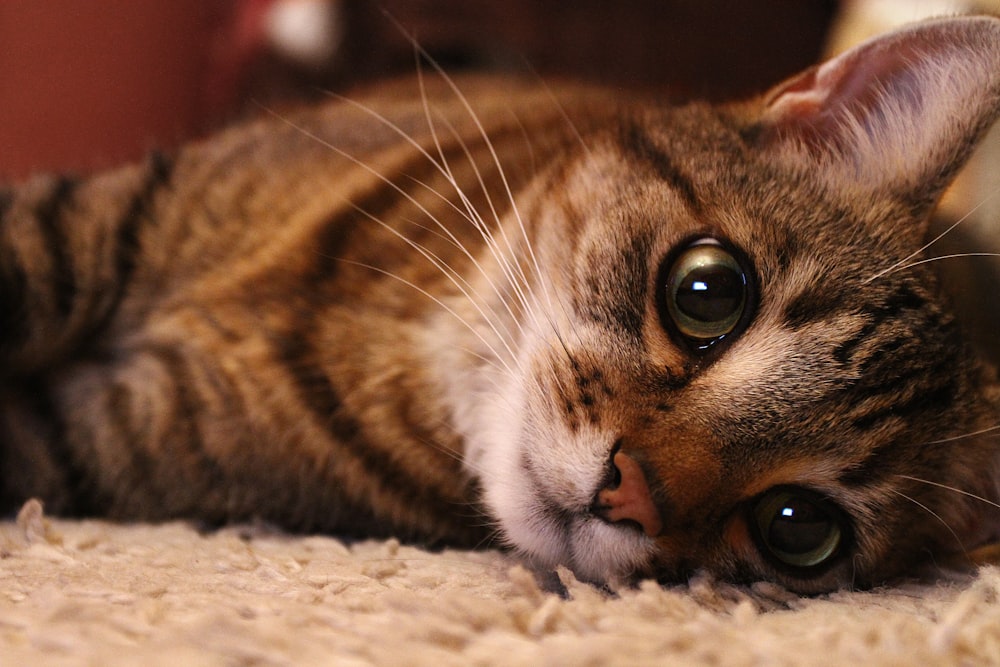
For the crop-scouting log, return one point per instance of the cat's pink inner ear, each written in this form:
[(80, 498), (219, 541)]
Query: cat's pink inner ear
[(824, 104), (893, 113), (798, 98)]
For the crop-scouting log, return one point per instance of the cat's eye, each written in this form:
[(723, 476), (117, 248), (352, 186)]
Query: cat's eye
[(705, 293), (799, 529)]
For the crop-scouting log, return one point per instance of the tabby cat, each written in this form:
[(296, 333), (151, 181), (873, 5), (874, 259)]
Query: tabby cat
[(629, 338)]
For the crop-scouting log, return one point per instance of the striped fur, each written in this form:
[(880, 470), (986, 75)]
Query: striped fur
[(432, 312)]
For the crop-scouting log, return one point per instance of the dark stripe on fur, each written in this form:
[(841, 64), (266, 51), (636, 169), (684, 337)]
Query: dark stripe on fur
[(128, 247), (84, 496), (49, 215), (903, 299), (14, 329), (628, 306), (640, 146), (923, 402), (814, 304), (187, 410), (318, 393), (159, 172)]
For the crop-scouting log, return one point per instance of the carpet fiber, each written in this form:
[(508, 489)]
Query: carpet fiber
[(94, 593)]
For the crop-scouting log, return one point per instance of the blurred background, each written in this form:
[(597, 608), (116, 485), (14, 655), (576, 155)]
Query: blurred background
[(87, 85)]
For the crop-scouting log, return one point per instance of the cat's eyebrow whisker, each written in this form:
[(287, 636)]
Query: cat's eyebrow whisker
[(569, 121), (515, 277), (489, 279), (558, 106), (511, 268), (562, 110), (443, 305), (903, 267), (934, 514), (504, 263), (991, 429), (362, 164), (902, 264), (951, 488), (527, 140), (440, 163)]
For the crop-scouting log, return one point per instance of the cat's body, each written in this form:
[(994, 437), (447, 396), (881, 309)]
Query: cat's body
[(444, 312)]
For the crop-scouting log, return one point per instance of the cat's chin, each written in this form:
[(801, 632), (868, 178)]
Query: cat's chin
[(605, 553), (548, 536), (595, 551)]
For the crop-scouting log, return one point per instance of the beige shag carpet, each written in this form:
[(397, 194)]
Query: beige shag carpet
[(94, 593)]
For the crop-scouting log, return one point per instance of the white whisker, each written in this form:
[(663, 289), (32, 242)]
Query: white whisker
[(408, 197), (951, 488), (460, 96), (900, 264), (933, 514), (470, 111), (443, 305), (903, 267), (511, 269), (442, 166), (453, 276), (473, 215), (991, 429)]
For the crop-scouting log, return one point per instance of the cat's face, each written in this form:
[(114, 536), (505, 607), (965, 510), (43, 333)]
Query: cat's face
[(728, 363)]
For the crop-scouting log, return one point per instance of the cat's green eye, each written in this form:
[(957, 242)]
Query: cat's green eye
[(706, 293), (797, 528)]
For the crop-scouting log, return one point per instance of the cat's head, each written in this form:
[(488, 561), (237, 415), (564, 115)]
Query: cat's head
[(735, 361)]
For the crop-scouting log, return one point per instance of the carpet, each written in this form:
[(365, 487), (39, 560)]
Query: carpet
[(96, 593)]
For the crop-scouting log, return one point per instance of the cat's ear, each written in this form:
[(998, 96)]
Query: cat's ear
[(896, 116)]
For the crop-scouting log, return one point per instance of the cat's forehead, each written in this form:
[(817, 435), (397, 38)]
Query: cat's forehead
[(661, 177)]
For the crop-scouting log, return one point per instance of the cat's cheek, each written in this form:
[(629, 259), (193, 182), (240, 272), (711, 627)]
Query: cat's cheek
[(527, 527), (736, 536), (494, 455)]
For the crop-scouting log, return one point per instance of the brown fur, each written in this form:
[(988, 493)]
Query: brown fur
[(295, 321)]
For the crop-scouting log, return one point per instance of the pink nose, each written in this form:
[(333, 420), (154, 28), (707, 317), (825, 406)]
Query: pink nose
[(630, 500)]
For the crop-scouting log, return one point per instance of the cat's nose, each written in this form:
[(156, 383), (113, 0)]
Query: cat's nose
[(627, 498)]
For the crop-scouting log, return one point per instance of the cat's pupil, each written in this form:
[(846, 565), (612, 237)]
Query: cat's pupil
[(706, 292), (797, 529), (710, 293)]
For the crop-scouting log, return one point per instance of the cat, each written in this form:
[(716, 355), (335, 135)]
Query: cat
[(628, 338)]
